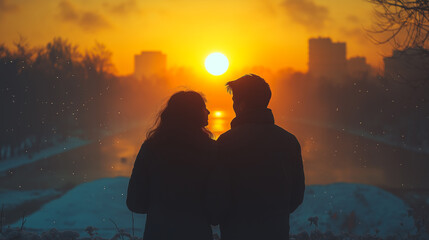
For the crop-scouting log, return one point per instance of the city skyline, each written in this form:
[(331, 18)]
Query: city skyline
[(326, 59), (270, 34)]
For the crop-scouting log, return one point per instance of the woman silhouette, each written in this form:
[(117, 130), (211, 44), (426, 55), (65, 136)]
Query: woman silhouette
[(168, 181)]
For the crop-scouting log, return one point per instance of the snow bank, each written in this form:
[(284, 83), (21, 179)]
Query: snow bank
[(60, 147), (341, 207), (89, 204), (356, 208), (14, 198)]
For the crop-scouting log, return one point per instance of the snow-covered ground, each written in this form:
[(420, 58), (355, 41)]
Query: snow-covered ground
[(340, 207), (360, 209), (95, 204)]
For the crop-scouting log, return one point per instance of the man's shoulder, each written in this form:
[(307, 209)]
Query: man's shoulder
[(274, 131), (224, 136), (234, 133), (286, 134)]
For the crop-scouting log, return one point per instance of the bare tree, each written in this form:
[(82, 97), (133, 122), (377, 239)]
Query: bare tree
[(99, 59), (403, 23)]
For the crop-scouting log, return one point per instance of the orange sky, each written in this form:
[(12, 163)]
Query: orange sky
[(268, 33)]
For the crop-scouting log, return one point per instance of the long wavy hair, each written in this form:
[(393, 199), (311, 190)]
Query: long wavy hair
[(182, 120)]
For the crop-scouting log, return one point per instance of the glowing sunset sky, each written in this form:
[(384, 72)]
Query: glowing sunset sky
[(269, 33)]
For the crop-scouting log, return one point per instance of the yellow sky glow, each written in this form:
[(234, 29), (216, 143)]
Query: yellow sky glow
[(272, 34)]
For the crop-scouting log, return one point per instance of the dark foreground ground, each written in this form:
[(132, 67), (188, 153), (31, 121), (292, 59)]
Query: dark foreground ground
[(53, 234)]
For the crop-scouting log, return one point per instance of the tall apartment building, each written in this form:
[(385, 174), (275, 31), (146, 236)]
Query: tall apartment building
[(150, 64), (409, 65), (326, 58), (357, 66)]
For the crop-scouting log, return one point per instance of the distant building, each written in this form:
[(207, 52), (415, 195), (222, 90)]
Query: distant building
[(150, 64), (357, 66), (409, 65), (326, 58)]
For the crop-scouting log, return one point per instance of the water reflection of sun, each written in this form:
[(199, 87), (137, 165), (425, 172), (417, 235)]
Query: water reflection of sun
[(218, 114), (218, 123)]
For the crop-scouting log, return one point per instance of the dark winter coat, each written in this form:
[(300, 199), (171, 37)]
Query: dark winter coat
[(168, 183), (259, 180)]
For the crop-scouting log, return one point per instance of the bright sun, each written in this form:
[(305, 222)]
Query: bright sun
[(216, 63)]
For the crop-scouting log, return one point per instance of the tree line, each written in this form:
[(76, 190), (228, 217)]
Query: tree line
[(49, 93)]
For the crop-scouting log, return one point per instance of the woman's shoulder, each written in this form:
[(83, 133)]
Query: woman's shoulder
[(199, 141), (146, 145), (149, 147)]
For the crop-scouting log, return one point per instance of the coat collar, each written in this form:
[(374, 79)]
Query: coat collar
[(254, 116)]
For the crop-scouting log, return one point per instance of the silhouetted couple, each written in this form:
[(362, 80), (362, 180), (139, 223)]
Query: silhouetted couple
[(248, 181)]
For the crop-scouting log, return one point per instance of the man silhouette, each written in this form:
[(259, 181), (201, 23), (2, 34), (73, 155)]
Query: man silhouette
[(259, 180)]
